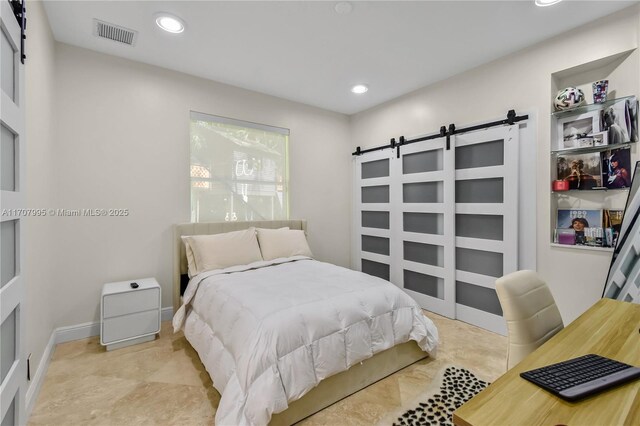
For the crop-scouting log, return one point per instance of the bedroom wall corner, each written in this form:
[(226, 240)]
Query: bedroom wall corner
[(519, 81), (41, 187), (123, 135)]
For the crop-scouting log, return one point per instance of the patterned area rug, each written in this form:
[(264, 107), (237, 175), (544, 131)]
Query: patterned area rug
[(437, 404)]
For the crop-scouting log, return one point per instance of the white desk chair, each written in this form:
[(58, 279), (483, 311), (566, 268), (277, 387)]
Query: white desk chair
[(530, 311)]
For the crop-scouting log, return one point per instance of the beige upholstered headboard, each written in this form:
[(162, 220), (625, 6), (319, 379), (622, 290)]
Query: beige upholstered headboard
[(208, 228)]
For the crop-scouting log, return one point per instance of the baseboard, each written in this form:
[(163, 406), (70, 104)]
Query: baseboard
[(62, 335), (36, 381), (166, 314), (77, 332), (90, 329)]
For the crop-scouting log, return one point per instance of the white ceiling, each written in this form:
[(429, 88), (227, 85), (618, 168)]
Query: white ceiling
[(306, 52)]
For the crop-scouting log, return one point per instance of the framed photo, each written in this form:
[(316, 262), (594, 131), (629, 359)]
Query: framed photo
[(611, 222), (585, 142), (600, 139), (632, 106), (581, 171), (567, 216), (616, 120), (580, 221), (616, 168), (574, 130)]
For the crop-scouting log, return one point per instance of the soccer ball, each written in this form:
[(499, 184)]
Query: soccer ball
[(568, 98)]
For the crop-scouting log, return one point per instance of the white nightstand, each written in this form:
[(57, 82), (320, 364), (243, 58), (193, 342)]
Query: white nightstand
[(129, 315)]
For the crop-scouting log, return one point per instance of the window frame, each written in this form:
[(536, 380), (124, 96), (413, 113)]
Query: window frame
[(199, 116)]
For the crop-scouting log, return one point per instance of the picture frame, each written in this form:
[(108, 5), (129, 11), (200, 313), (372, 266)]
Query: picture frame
[(585, 142), (616, 168), (633, 105), (600, 139), (616, 119), (565, 217), (612, 222), (572, 131), (580, 171), (581, 221)]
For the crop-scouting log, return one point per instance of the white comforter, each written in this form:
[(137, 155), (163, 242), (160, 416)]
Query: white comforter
[(271, 331)]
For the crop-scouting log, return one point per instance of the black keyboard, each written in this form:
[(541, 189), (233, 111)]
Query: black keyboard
[(580, 377)]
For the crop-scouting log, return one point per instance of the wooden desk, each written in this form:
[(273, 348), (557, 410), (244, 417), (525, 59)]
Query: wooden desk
[(609, 328)]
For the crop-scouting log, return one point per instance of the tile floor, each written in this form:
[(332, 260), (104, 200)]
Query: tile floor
[(163, 382)]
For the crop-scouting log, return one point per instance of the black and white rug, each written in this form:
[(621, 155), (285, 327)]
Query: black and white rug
[(436, 407)]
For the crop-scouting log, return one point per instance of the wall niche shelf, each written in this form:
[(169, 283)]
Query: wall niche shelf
[(599, 189), (589, 149), (580, 247), (589, 107), (583, 125)]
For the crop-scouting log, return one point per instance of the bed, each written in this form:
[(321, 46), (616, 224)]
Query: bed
[(274, 385)]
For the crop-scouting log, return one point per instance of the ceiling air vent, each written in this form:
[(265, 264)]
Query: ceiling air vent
[(114, 32)]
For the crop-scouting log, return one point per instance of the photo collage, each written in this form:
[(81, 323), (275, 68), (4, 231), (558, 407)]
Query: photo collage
[(595, 228), (610, 169), (614, 124)]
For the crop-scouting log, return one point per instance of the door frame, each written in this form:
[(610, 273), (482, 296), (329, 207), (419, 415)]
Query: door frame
[(13, 294)]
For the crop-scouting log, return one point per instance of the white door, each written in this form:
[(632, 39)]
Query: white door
[(12, 287), (486, 215), (440, 220), (372, 214), (423, 234)]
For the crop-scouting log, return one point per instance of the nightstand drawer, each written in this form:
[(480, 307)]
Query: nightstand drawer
[(129, 326), (132, 301)]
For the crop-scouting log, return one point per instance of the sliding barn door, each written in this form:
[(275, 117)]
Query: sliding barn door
[(486, 216), (440, 220), (423, 237), (13, 375), (372, 237)]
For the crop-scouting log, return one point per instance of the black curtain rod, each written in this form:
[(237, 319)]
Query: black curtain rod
[(511, 119)]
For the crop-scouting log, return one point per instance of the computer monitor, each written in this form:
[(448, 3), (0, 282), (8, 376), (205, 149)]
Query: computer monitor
[(623, 280)]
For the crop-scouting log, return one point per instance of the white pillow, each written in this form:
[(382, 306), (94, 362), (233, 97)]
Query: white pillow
[(191, 262), (220, 251), (276, 243)]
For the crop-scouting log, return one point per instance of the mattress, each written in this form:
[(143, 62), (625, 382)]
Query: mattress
[(269, 332)]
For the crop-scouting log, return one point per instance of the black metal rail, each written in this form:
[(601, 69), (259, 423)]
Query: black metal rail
[(512, 118), (20, 12)]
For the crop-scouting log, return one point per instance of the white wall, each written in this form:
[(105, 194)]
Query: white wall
[(521, 81), (123, 142), (40, 181)]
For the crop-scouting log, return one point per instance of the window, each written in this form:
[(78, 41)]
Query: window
[(239, 170)]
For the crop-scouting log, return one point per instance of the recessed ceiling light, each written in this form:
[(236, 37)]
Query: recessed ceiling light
[(544, 3), (169, 22), (359, 89), (343, 8)]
